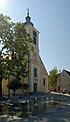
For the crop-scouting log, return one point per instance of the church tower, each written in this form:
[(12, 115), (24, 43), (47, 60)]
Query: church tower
[(38, 77)]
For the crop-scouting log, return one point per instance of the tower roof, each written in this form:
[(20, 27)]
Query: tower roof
[(28, 19)]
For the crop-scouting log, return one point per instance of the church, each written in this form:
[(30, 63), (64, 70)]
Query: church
[(38, 77)]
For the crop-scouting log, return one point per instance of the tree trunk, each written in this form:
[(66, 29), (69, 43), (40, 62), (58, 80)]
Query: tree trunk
[(0, 85)]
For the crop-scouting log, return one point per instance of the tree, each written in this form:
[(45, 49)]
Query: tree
[(15, 45), (14, 85), (52, 79), (4, 26)]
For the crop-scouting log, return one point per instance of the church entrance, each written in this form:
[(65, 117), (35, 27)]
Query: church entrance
[(35, 87)]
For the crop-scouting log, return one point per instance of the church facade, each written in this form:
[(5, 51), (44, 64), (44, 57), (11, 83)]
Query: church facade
[(38, 76)]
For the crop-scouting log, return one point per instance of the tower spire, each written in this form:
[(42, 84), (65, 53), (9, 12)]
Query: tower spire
[(28, 18)]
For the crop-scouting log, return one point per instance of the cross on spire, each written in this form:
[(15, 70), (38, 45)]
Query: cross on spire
[(27, 11)]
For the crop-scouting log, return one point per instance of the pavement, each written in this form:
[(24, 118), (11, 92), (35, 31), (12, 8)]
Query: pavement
[(59, 113)]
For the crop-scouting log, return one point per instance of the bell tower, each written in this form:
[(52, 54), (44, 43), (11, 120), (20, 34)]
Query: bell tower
[(34, 33)]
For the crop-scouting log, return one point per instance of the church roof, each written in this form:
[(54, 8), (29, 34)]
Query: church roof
[(67, 72), (42, 64)]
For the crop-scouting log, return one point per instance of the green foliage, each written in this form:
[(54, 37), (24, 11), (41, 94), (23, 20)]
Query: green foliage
[(52, 78), (15, 44), (14, 85)]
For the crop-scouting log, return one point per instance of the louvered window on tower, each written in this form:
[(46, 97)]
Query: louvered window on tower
[(34, 37)]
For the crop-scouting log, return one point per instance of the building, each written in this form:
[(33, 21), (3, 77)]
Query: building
[(63, 81), (38, 76)]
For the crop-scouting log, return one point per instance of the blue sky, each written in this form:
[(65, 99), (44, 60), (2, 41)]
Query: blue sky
[(52, 19)]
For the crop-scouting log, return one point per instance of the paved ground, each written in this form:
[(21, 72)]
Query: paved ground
[(59, 113)]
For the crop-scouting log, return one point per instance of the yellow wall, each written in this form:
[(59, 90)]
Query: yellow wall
[(4, 87)]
